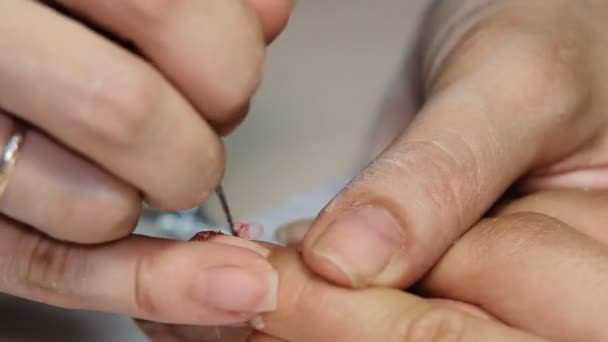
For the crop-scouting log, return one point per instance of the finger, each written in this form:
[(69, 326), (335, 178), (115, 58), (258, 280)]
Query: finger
[(532, 272), (292, 234), (312, 310), (596, 178), (212, 50), (585, 211), (460, 306), (274, 15), (64, 195), (158, 332), (106, 104), (196, 283), (471, 141), (261, 337)]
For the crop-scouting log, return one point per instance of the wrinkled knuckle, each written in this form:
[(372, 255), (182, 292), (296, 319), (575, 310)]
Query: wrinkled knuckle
[(150, 12), (441, 163), (145, 302), (435, 325), (52, 270), (124, 107)]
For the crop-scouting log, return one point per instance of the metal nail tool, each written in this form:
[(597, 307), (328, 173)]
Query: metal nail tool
[(224, 203)]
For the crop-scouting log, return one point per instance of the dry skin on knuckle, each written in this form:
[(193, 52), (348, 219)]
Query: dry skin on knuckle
[(434, 324), (445, 175)]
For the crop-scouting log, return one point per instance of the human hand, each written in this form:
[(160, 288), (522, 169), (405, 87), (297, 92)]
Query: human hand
[(538, 265), (110, 128), (310, 309), (514, 95)]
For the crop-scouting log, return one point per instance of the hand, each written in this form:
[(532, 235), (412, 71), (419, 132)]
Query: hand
[(110, 128), (523, 268), (311, 309), (518, 98), (538, 265)]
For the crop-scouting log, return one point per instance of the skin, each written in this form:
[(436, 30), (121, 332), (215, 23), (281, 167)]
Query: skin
[(102, 119), (106, 115), (531, 266), (517, 101), (514, 98)]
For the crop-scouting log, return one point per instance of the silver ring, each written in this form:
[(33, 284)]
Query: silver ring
[(9, 155)]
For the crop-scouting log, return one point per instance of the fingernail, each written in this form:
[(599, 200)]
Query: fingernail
[(236, 289), (361, 243)]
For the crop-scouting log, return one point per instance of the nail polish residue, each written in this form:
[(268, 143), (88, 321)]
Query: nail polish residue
[(249, 231), (205, 235)]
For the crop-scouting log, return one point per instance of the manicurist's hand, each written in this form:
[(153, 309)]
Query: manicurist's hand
[(90, 129), (514, 94), (537, 266)]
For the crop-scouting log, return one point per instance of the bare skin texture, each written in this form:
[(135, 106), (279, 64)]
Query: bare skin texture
[(514, 94), (519, 98), (109, 129), (532, 271)]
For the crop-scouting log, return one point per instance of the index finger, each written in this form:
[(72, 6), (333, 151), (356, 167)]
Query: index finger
[(222, 281)]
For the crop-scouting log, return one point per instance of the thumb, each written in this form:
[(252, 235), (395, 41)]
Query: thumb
[(310, 309), (488, 121)]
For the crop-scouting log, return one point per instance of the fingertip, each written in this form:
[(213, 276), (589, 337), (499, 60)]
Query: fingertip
[(274, 15), (362, 246)]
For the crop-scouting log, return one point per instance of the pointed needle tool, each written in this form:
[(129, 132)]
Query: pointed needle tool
[(224, 203)]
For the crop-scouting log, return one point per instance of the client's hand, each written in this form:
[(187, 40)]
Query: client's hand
[(537, 266)]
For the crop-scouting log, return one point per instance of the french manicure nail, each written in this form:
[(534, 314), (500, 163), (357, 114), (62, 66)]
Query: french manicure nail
[(360, 243), (236, 289)]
